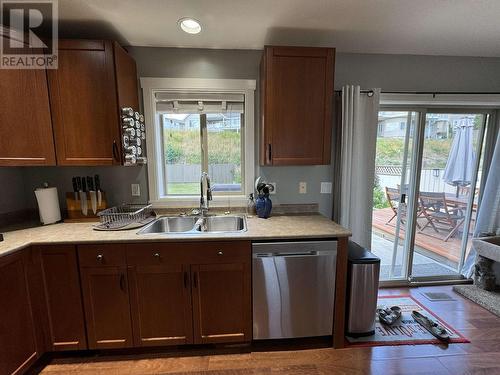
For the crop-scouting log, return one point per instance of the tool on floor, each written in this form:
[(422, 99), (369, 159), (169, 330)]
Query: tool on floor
[(430, 325)]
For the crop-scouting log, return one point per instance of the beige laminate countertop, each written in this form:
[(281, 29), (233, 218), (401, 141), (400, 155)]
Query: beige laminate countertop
[(276, 227)]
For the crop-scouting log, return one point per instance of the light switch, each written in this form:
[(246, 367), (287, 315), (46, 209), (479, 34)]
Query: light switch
[(326, 188), (302, 187), (136, 190)]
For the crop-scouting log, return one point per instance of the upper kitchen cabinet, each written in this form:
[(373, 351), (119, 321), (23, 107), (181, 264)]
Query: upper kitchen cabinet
[(296, 88), (25, 119), (126, 78), (93, 81)]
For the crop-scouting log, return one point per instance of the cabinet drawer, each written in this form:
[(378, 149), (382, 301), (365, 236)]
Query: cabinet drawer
[(150, 254), (196, 252), (222, 252), (101, 255)]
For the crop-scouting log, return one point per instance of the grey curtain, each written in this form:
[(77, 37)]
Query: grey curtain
[(488, 216), (357, 161)]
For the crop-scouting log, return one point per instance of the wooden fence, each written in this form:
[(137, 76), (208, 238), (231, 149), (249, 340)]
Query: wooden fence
[(222, 173)]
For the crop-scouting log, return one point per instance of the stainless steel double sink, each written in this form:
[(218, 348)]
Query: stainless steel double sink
[(196, 224)]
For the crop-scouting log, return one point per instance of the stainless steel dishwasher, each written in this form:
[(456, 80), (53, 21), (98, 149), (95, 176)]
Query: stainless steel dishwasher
[(293, 289)]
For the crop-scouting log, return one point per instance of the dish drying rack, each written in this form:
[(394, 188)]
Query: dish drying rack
[(127, 216)]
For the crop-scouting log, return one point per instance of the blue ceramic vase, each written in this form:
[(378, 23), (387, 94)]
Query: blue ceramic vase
[(263, 206)]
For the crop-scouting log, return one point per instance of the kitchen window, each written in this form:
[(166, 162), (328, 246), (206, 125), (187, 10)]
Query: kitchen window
[(195, 126)]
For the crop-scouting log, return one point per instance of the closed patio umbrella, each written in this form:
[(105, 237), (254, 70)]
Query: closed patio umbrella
[(462, 158)]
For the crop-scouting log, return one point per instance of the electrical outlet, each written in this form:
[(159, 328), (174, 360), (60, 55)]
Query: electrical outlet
[(136, 190), (274, 187), (326, 188), (302, 187)]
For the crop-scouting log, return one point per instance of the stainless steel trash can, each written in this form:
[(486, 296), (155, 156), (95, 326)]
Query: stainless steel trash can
[(362, 290)]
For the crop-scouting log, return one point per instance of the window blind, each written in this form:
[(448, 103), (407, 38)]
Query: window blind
[(168, 102)]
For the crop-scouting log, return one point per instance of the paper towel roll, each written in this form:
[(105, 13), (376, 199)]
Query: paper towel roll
[(48, 205)]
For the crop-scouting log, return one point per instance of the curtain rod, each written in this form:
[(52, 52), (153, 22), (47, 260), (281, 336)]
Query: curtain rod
[(365, 91), (441, 92), (368, 92)]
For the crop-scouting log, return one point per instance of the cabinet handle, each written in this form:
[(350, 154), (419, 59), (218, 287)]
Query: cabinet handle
[(156, 255), (269, 152), (186, 279), (115, 151), (122, 282), (99, 257), (195, 279), (220, 252)]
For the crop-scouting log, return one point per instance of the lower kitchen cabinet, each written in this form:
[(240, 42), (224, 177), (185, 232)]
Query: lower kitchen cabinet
[(66, 297), (184, 293), (61, 284), (222, 302), (17, 326), (160, 297), (105, 296)]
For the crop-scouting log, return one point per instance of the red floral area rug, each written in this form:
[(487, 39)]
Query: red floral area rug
[(406, 331)]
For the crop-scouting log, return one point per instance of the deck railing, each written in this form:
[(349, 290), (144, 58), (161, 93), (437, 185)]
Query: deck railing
[(430, 179)]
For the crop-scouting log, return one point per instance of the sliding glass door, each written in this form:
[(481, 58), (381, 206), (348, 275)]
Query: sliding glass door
[(390, 218), (449, 171), (428, 166)]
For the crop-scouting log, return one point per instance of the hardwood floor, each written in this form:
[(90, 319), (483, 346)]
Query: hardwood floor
[(481, 356)]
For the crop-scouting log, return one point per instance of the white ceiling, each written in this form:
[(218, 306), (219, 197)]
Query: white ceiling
[(428, 27)]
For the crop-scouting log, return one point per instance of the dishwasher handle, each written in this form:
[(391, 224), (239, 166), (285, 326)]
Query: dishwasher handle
[(312, 253), (295, 254)]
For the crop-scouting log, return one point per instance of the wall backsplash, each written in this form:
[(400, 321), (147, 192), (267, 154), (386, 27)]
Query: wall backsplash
[(115, 181), (13, 197), (389, 72)]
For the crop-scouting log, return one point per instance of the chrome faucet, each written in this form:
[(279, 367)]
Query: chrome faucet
[(205, 179)]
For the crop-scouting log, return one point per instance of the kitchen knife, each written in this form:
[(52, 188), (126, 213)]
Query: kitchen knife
[(75, 187), (83, 196), (79, 184), (93, 197), (98, 189)]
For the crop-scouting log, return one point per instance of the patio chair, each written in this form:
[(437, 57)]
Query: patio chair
[(465, 191), (436, 210), (393, 196)]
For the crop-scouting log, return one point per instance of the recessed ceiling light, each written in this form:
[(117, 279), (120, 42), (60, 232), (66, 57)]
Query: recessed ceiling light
[(190, 25)]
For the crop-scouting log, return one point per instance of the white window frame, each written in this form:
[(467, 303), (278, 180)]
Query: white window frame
[(150, 86)]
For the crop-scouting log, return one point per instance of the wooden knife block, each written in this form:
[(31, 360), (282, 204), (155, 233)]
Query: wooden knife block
[(75, 209)]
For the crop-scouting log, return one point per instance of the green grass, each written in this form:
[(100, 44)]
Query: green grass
[(183, 146), (390, 152), (183, 188)]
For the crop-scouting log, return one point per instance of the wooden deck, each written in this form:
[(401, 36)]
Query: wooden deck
[(428, 240)]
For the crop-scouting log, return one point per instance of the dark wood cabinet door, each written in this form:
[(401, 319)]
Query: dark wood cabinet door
[(297, 95), (17, 331), (84, 104), (160, 297), (126, 78), (25, 122), (107, 307), (221, 302), (61, 284)]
